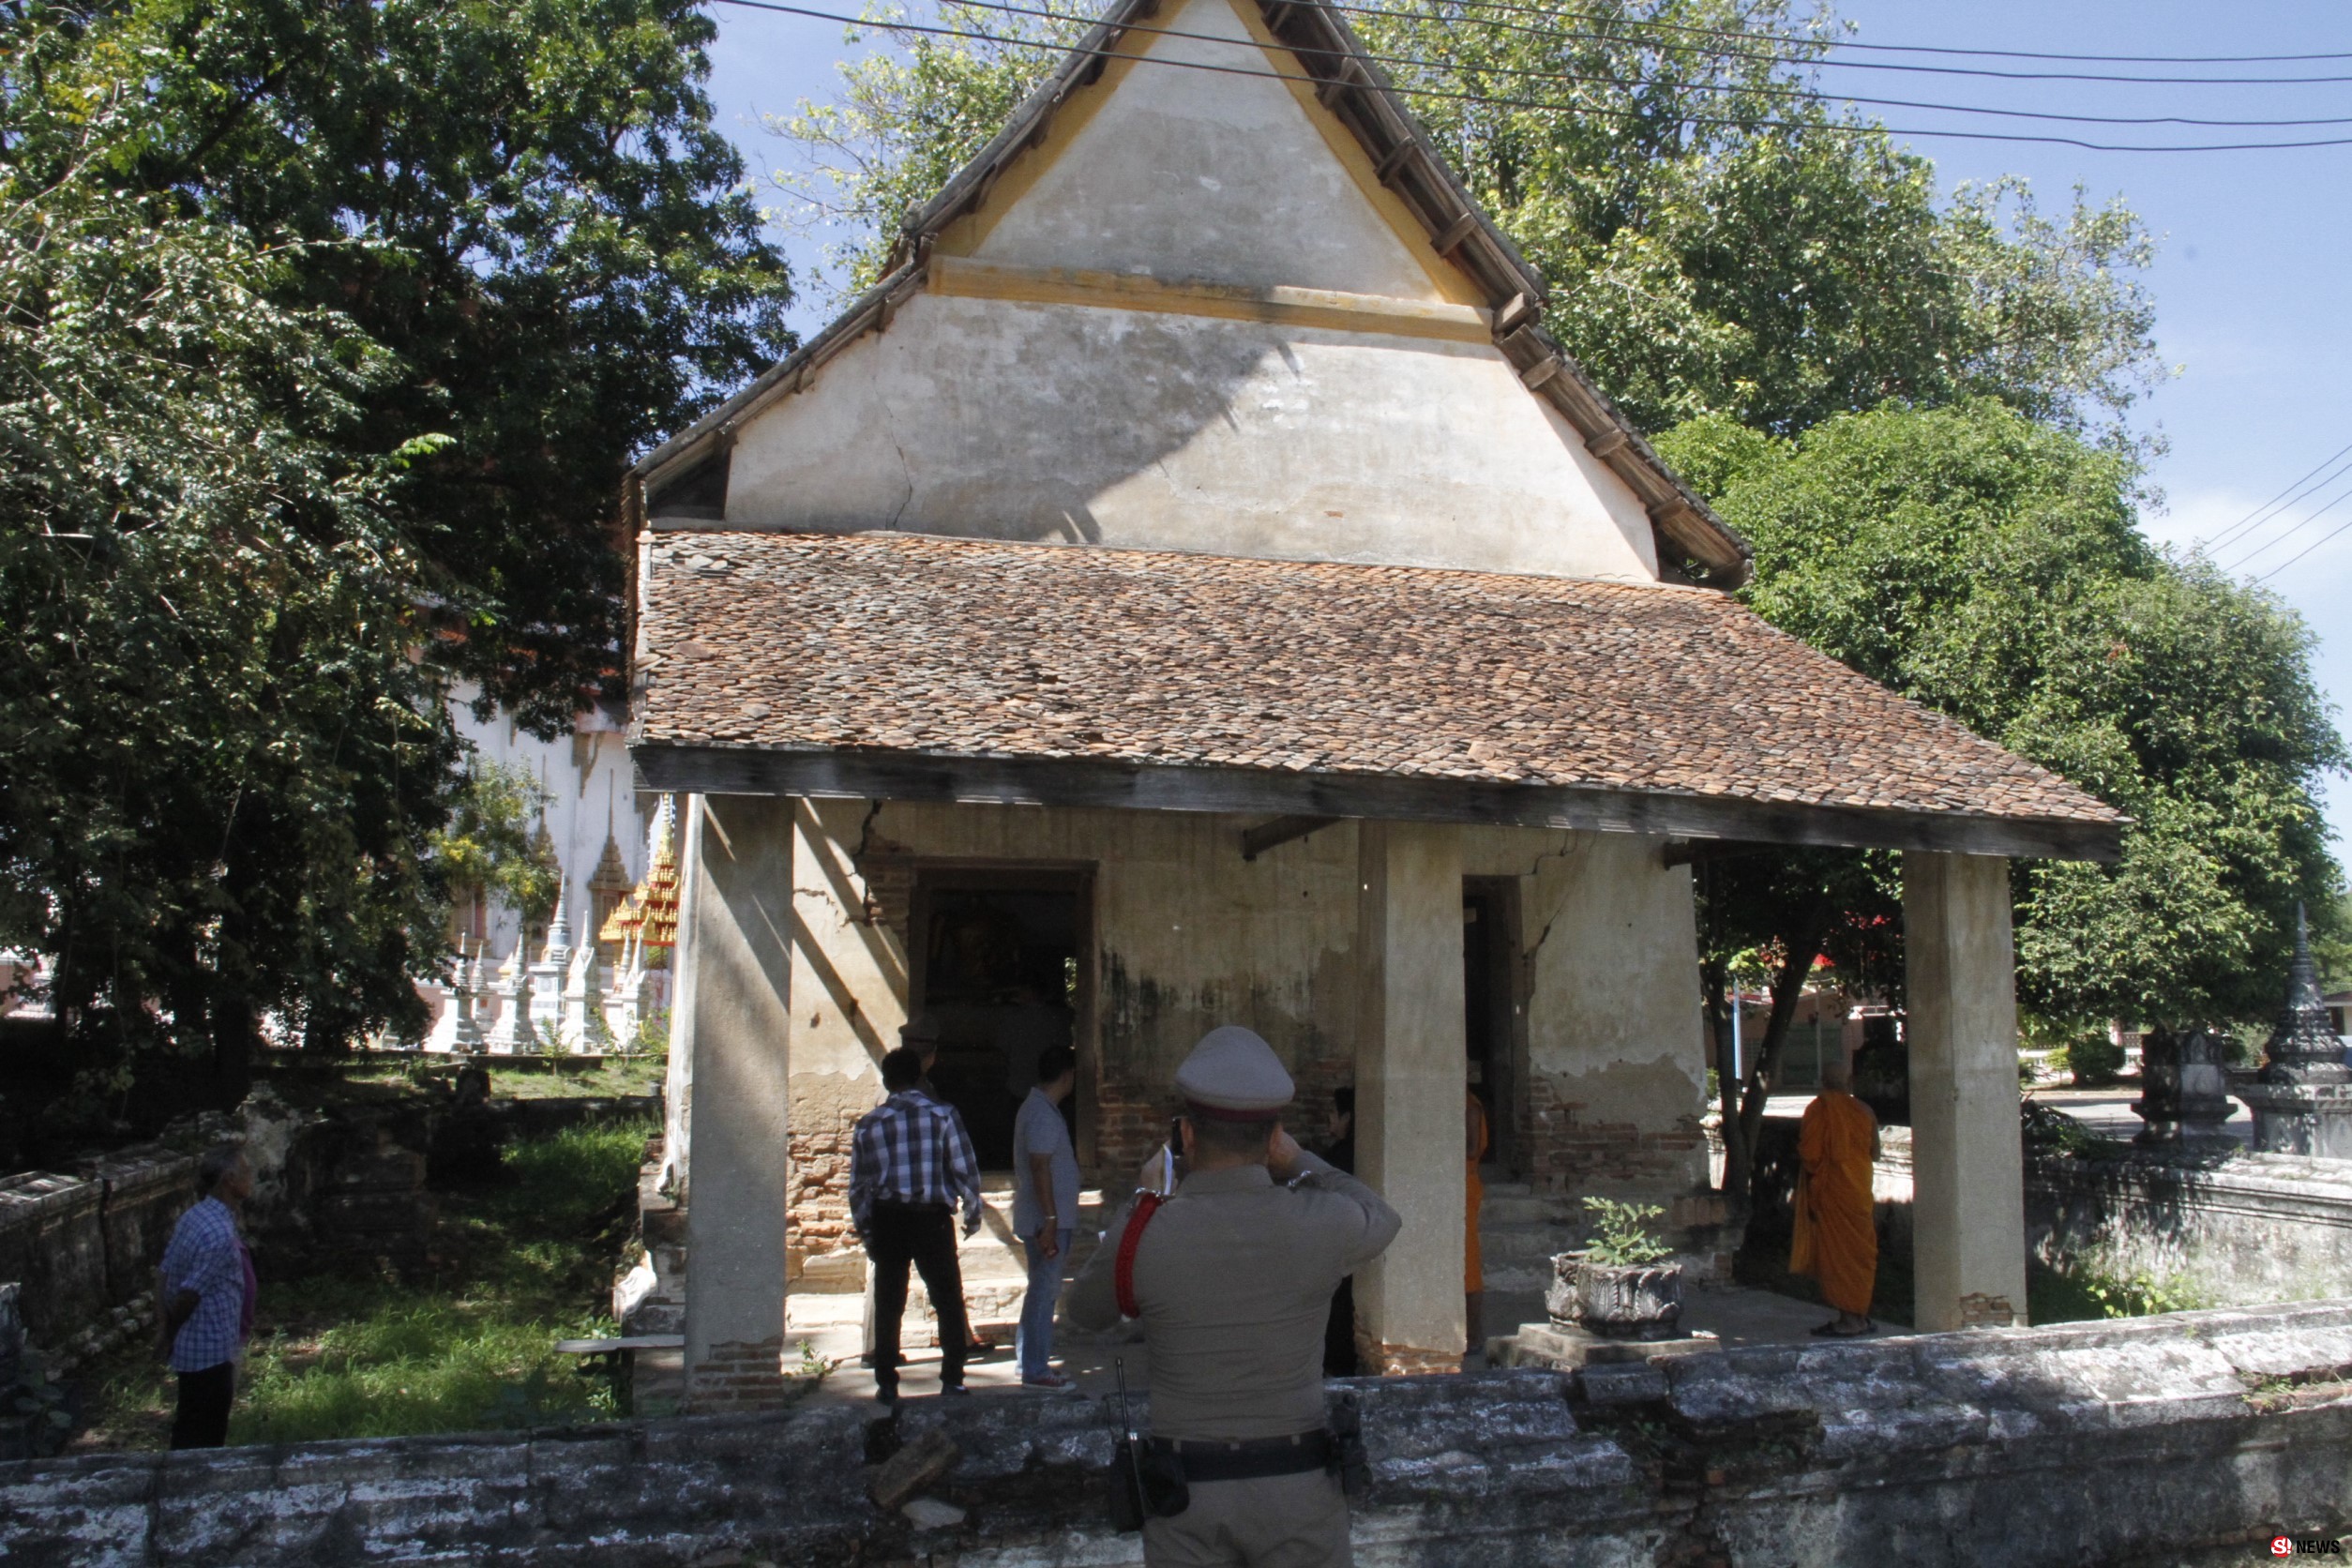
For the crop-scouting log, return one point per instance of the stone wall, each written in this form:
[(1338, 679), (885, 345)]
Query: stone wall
[(80, 1244), (2190, 1439), (2233, 1230)]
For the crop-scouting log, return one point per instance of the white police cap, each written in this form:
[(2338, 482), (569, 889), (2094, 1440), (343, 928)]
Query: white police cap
[(1233, 1075)]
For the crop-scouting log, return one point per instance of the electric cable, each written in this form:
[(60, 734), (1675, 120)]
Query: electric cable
[(1804, 52), (2296, 489), (1804, 43), (1541, 105), (2331, 534), (2278, 539), (1782, 92)]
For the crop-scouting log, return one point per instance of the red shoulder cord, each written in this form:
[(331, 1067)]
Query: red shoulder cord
[(1123, 1273)]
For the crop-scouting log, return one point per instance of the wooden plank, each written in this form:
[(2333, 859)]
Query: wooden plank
[(1090, 782), (1455, 233), (1395, 158), (1265, 835), (960, 276)]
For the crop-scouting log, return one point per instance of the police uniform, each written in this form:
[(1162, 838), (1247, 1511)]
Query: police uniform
[(1232, 1277)]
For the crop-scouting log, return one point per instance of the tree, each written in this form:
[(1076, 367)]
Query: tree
[(565, 263), (1991, 568), (1715, 240), (326, 333)]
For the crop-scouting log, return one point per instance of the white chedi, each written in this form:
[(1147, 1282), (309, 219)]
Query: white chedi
[(582, 1029), (512, 1032)]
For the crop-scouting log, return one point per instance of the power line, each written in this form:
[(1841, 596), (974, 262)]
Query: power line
[(2296, 489), (1808, 50), (2278, 539), (1817, 43), (1543, 105), (1786, 93), (2305, 550)]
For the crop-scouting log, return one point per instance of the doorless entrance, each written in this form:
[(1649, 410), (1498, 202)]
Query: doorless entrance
[(997, 965)]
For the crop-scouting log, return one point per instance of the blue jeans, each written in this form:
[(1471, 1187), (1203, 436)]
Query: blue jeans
[(1034, 1348)]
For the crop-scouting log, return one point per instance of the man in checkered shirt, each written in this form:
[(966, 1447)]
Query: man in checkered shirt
[(911, 1161), (205, 1305)]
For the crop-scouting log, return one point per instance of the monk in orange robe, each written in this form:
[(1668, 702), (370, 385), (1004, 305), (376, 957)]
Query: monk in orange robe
[(1838, 1238)]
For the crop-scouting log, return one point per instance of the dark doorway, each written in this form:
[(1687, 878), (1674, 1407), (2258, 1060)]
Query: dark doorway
[(1490, 1010), (1000, 963)]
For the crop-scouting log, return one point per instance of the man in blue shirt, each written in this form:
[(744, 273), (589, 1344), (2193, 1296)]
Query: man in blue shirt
[(207, 1300), (1045, 1207)]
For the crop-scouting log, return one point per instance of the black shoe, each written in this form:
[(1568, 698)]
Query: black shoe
[(887, 1397), (953, 1389)]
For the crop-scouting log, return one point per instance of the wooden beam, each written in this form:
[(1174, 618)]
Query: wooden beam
[(880, 775), (1701, 851), (1265, 835), (1395, 159), (1455, 233)]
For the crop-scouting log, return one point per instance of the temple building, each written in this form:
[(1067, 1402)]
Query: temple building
[(1192, 588)]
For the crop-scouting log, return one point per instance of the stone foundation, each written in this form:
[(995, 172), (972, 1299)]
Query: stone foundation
[(2193, 1438)]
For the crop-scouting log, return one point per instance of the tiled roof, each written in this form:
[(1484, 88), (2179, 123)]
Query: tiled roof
[(949, 647)]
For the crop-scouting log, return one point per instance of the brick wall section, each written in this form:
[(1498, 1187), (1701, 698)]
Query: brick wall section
[(1569, 1151), (741, 1377), (816, 1193)]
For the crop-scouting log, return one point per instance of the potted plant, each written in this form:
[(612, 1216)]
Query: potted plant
[(1621, 1285)]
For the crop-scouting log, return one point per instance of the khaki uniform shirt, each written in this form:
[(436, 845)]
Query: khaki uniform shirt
[(1234, 1276)]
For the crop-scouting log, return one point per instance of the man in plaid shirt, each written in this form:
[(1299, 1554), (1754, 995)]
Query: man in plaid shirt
[(910, 1161), (206, 1300)]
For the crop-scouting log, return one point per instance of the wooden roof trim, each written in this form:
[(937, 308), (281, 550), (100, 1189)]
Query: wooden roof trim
[(866, 773)]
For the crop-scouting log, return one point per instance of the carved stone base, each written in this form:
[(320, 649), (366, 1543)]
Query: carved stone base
[(2300, 1118)]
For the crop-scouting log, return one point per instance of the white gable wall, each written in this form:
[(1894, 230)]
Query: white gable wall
[(1197, 174), (1053, 415)]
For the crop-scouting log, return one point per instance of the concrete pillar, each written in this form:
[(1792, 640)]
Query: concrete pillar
[(732, 1012), (849, 992), (1410, 1075), (1968, 1224)]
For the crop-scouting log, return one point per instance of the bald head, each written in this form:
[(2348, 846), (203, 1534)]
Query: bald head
[(1837, 1075)]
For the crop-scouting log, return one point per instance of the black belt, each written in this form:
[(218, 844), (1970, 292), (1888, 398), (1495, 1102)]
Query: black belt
[(1208, 1459), (906, 1206)]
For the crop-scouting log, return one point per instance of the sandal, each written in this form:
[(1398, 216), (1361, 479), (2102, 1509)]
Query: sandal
[(1830, 1330)]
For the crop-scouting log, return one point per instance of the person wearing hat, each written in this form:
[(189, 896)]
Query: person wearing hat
[(1231, 1275)]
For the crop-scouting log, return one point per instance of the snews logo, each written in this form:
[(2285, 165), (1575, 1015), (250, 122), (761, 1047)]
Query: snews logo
[(2305, 1546)]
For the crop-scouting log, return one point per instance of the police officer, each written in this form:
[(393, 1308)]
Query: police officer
[(1232, 1277)]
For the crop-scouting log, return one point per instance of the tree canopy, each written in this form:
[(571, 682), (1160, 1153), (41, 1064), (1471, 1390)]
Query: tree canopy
[(326, 332), (1992, 568)]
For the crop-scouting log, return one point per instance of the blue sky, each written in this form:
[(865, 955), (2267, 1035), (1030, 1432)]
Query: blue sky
[(2251, 283)]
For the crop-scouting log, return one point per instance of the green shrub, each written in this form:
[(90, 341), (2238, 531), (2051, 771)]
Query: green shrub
[(2094, 1059), (1622, 1236)]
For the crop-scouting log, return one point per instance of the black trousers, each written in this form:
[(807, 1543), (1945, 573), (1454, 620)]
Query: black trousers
[(202, 1418), (923, 1234)]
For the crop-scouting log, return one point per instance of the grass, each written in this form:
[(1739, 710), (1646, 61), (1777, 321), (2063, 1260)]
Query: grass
[(377, 1079), (467, 1345), (2087, 1295)]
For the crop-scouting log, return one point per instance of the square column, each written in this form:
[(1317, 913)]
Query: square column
[(731, 1013), (1411, 1077), (1968, 1209)]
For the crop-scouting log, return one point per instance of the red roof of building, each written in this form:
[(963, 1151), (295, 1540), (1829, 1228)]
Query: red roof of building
[(917, 645)]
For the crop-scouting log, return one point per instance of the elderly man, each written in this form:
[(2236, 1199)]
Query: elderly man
[(205, 1299), (1837, 1237), (1232, 1277)]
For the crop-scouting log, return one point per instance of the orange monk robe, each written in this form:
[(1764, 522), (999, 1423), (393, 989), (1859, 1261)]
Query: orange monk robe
[(1836, 1241)]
